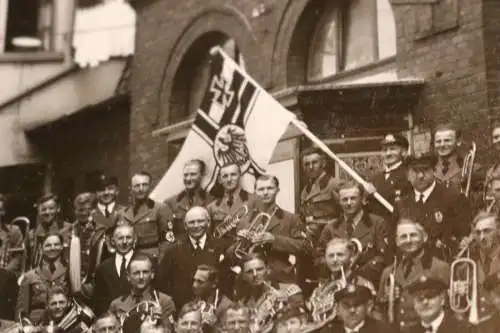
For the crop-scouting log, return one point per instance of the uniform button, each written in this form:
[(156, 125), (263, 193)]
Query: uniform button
[(402, 311), (483, 299), (402, 323)]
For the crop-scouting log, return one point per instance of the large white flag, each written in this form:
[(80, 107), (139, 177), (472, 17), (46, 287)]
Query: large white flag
[(237, 122)]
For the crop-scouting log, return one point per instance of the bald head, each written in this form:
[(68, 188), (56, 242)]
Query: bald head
[(196, 222)]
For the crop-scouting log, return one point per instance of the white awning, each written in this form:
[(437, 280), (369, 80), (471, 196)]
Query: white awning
[(71, 94), (104, 31)]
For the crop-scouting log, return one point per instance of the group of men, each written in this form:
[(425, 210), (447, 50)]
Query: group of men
[(343, 263)]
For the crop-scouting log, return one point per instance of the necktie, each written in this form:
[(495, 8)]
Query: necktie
[(106, 211), (197, 247), (52, 267), (123, 267), (230, 200), (427, 329), (407, 267), (349, 227), (420, 199), (446, 166)]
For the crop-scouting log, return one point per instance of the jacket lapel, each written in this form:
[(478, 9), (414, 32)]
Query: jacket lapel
[(362, 229), (315, 188)]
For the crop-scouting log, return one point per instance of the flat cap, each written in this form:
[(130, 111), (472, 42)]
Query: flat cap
[(427, 160), (431, 286), (395, 139), (354, 295)]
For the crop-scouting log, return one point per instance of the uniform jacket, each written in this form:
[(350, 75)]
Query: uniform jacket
[(8, 294), (151, 223), (445, 214), (179, 263), (449, 325), (34, 286), (290, 239), (424, 264), (491, 325), (392, 188), (179, 204), (108, 222), (319, 202), (108, 285), (124, 304), (370, 326), (11, 238), (372, 232)]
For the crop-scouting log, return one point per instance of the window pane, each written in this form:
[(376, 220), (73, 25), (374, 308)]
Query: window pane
[(324, 48), (386, 27), (359, 25)]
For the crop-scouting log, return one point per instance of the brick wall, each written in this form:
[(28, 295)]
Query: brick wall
[(444, 45)]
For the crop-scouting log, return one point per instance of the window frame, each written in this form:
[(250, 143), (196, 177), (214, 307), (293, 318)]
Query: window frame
[(341, 9)]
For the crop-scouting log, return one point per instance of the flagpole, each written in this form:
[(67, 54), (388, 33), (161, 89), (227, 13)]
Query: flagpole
[(340, 162)]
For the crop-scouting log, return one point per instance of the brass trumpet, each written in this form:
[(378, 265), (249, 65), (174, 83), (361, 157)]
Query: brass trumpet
[(464, 293), (230, 222), (259, 225)]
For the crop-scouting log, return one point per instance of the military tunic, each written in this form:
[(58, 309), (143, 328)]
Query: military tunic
[(152, 224), (32, 298), (424, 264), (11, 248), (179, 204)]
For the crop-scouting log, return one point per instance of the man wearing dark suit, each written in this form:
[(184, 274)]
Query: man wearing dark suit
[(150, 219), (355, 223), (193, 195), (285, 236), (110, 279), (429, 298), (392, 182), (180, 261), (443, 212), (108, 210), (8, 294), (355, 302)]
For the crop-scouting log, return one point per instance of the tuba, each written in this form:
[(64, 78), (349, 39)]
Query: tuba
[(265, 309), (258, 226), (230, 222), (321, 304), (467, 169)]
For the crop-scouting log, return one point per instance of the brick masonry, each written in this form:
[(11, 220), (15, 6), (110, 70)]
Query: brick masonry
[(452, 45)]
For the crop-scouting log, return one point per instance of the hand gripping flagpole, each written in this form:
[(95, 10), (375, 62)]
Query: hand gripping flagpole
[(312, 137), (340, 162)]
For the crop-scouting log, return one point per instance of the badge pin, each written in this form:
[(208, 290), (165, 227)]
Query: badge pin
[(438, 216), (169, 236)]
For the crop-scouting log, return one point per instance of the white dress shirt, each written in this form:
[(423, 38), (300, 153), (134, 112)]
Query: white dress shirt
[(354, 329), (425, 194), (103, 208), (201, 242), (434, 325), (119, 259)]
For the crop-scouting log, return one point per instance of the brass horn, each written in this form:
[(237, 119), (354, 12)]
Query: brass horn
[(467, 169), (463, 295), (230, 222), (259, 225)]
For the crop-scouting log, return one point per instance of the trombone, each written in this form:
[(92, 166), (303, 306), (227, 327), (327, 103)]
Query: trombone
[(467, 169)]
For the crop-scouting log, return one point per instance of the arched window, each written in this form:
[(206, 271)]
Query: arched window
[(193, 74), (349, 35)]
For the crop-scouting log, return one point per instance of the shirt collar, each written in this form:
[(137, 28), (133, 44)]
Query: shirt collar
[(127, 256), (435, 323), (200, 241), (393, 167), (356, 218), (354, 329), (425, 193), (109, 207)]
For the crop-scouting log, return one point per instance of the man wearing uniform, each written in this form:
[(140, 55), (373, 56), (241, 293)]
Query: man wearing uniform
[(283, 239), (234, 319), (48, 221), (494, 170), (414, 261), (150, 219), (429, 299), (108, 210), (369, 230), (193, 194), (355, 303), (443, 212), (391, 183), (11, 243), (140, 274), (231, 202), (492, 287)]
